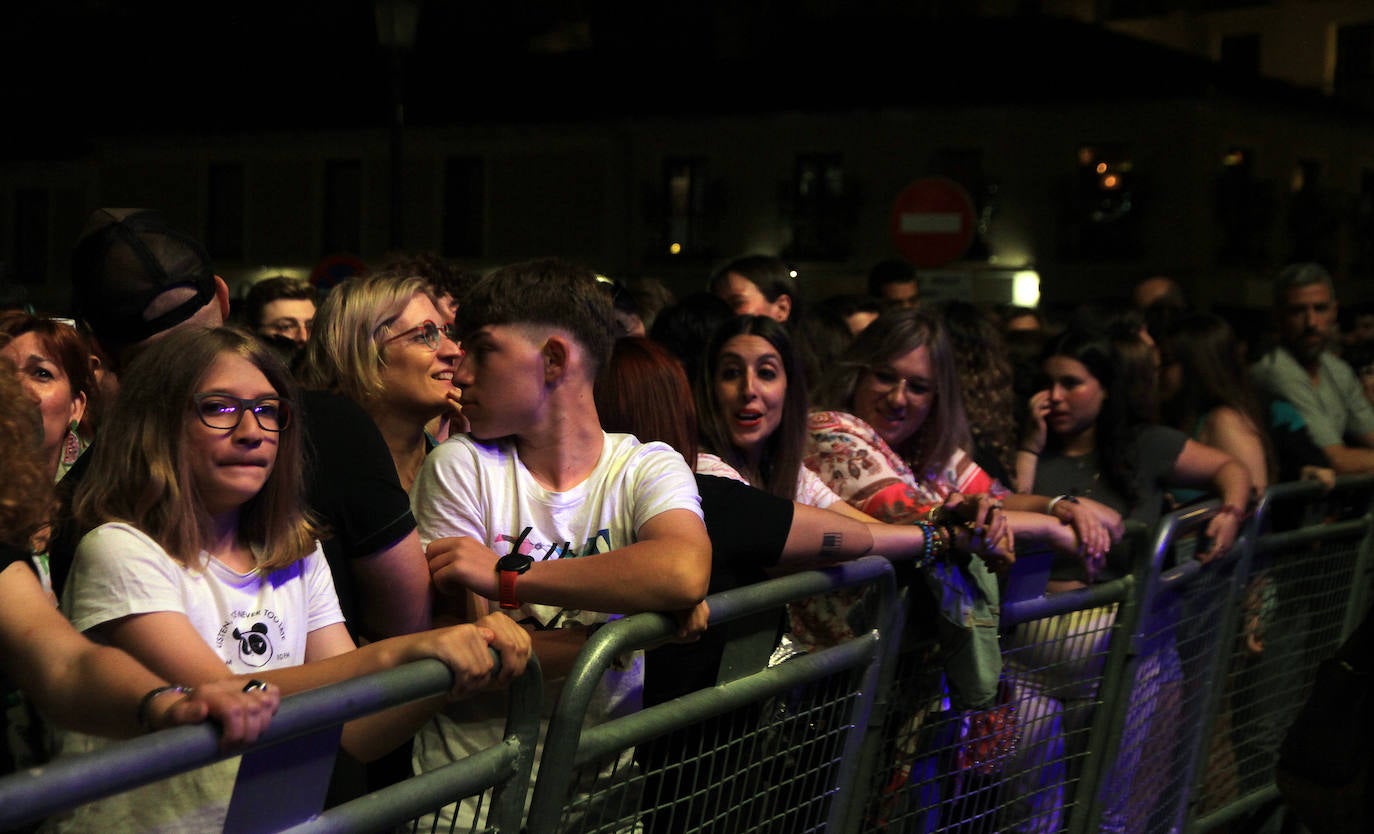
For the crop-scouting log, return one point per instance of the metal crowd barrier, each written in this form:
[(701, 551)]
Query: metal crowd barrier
[(1306, 590), (1020, 766), (769, 748), (1154, 702), (283, 778)]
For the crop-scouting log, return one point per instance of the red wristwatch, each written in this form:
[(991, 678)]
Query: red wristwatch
[(508, 567)]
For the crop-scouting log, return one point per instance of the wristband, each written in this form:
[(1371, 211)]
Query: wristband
[(928, 550), (145, 706), (944, 540), (1054, 502)]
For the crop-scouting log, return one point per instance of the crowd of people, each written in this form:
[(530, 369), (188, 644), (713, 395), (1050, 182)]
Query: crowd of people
[(300, 487)]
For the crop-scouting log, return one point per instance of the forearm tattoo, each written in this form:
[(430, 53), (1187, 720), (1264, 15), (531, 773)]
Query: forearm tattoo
[(831, 542)]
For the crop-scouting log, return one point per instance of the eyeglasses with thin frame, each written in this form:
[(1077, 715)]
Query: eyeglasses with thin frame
[(432, 334), (884, 380), (221, 411)]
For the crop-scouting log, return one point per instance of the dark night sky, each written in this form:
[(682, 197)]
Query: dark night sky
[(79, 67)]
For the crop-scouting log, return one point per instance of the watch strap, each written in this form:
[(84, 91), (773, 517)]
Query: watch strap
[(507, 588)]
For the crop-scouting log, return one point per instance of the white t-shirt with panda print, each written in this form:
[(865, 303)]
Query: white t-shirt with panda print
[(252, 622)]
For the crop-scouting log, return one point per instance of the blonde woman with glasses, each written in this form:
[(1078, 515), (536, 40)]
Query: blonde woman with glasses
[(381, 341)]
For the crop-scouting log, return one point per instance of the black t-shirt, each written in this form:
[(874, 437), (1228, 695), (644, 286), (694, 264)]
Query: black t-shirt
[(748, 529), (352, 488), (9, 554)]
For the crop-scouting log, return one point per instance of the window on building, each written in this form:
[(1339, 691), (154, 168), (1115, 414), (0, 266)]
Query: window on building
[(1243, 210), (1241, 54), (1362, 264), (684, 196), (31, 235), (343, 206), (464, 206), (1114, 9), (1354, 76), (1313, 216), (821, 208), (965, 166), (224, 237), (1104, 213)]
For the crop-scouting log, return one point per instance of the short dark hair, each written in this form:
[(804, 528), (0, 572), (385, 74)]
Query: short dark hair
[(769, 273), (685, 326), (446, 276), (890, 271), (547, 291), (272, 289)]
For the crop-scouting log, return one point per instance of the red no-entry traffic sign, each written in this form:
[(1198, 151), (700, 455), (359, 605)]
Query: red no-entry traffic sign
[(932, 221)]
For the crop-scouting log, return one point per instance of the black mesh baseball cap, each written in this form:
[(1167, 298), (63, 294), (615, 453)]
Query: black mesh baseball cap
[(125, 258)]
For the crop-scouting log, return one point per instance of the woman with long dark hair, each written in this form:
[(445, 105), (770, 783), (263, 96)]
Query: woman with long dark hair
[(1092, 443)]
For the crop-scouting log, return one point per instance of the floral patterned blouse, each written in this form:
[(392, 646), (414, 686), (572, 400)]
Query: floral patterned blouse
[(854, 460)]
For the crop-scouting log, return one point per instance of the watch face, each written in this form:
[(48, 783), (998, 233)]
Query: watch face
[(518, 562)]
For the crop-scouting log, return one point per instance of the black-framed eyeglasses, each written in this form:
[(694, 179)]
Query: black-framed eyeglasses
[(221, 411), (432, 334)]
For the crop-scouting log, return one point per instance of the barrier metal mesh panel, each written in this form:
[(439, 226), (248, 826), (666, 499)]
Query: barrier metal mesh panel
[(1291, 620), (1013, 768), (445, 820), (772, 746), (1163, 725), (771, 766)]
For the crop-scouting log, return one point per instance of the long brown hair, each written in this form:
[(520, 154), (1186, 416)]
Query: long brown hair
[(892, 335), (643, 391), (781, 462), (984, 370), (26, 491), (140, 474)]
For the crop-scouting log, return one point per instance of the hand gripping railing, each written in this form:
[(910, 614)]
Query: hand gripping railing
[(284, 775)]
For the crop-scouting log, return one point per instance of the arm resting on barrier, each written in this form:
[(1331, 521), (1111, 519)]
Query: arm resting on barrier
[(168, 643), (667, 569), (1202, 465), (96, 689)]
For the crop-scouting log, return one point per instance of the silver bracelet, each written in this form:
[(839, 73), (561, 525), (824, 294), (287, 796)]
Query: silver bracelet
[(1054, 502), (145, 706)]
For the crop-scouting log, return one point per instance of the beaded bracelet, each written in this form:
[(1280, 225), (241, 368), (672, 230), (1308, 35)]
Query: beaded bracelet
[(944, 539), (928, 550)]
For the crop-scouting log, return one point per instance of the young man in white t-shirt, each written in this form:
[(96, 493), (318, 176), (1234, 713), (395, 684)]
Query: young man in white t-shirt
[(591, 524)]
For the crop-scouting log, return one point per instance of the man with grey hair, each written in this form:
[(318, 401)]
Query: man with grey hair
[(1302, 370)]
